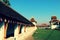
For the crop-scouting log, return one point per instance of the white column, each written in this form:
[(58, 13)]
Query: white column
[(24, 29), (2, 31), (53, 26), (35, 25), (16, 32)]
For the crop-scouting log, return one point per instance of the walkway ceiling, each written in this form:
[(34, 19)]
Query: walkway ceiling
[(8, 13)]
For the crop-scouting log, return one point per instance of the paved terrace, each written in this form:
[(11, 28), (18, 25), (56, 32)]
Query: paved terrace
[(25, 35)]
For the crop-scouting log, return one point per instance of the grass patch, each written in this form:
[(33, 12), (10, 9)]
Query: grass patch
[(46, 34)]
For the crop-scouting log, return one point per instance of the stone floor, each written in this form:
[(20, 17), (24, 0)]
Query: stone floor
[(25, 35)]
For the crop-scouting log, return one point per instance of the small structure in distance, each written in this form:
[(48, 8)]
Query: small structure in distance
[(54, 23)]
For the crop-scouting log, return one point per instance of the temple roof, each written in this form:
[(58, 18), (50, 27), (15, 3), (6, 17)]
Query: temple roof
[(53, 17), (54, 21), (8, 13)]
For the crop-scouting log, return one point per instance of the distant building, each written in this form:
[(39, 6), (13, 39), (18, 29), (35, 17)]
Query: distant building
[(33, 21), (44, 25), (54, 23)]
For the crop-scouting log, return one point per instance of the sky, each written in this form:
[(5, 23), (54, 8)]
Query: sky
[(41, 10)]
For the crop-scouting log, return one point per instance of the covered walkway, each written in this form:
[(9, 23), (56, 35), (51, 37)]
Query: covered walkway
[(11, 22)]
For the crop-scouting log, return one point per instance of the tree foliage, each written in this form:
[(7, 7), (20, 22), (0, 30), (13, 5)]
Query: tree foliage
[(7, 2)]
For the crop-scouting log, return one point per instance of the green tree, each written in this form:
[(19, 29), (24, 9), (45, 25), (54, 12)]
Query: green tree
[(7, 2)]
